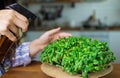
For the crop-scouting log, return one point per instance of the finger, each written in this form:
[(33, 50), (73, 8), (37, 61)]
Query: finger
[(14, 29), (60, 35), (53, 31), (20, 23), (10, 36), (56, 37), (63, 34), (20, 16)]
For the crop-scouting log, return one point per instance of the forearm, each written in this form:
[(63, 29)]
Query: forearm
[(35, 47)]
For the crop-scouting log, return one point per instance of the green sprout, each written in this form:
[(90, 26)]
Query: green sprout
[(78, 55)]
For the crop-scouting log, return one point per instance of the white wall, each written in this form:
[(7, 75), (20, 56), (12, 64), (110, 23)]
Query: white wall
[(107, 11)]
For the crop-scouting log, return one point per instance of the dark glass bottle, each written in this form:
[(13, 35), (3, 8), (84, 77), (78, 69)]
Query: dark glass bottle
[(6, 46)]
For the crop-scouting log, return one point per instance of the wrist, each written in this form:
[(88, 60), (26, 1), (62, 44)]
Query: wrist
[(35, 47)]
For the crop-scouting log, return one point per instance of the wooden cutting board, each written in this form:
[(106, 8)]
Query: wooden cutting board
[(56, 72)]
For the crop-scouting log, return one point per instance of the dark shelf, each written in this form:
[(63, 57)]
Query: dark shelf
[(56, 1)]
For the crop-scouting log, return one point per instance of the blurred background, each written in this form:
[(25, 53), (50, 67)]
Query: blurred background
[(97, 19)]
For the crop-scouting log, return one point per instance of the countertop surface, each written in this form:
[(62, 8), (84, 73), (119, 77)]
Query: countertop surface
[(112, 28), (33, 71)]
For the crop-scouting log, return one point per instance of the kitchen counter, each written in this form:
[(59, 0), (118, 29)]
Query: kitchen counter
[(111, 28), (33, 71)]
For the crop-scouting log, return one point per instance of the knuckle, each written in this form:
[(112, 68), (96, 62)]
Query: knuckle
[(26, 20), (10, 19), (11, 11), (3, 31), (6, 24), (11, 14)]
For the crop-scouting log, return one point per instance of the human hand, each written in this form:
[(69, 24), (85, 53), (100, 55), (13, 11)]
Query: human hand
[(10, 21), (45, 39), (51, 36)]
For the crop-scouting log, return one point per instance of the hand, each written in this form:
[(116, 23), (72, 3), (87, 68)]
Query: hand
[(10, 21), (45, 39)]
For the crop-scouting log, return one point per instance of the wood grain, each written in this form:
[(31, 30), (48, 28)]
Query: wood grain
[(33, 70)]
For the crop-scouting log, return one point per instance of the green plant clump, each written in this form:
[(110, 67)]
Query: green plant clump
[(78, 54)]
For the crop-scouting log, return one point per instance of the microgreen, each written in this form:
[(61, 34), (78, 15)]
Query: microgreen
[(78, 54)]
